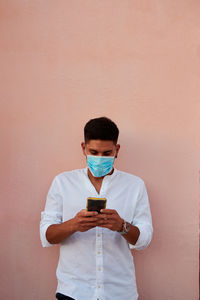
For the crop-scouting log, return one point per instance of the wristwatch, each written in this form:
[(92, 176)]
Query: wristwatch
[(125, 227)]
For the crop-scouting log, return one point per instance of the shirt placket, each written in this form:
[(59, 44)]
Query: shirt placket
[(99, 264), (99, 251)]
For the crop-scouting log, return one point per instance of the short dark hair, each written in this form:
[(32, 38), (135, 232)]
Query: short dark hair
[(101, 129)]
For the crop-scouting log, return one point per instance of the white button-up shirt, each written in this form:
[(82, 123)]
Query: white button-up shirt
[(97, 264)]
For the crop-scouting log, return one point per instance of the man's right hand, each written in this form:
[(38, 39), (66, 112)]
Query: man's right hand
[(85, 220)]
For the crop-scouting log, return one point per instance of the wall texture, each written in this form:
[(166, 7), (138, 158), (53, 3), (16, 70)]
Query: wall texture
[(64, 62)]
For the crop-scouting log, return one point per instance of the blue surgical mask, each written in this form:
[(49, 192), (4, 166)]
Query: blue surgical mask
[(100, 165)]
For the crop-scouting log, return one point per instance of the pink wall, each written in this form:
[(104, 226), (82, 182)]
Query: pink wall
[(63, 62)]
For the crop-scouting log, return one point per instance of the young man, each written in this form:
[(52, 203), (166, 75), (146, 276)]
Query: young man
[(95, 259)]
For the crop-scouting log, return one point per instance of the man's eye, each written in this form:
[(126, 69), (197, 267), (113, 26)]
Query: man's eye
[(107, 154)]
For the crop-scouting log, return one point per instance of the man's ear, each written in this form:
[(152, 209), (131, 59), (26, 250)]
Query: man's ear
[(83, 148), (117, 150)]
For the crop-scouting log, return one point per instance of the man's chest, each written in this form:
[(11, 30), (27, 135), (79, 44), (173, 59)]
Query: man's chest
[(121, 199)]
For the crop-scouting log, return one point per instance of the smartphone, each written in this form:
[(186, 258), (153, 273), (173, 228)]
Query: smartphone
[(96, 204)]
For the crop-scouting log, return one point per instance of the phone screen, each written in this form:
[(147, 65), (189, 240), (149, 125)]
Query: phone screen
[(96, 204)]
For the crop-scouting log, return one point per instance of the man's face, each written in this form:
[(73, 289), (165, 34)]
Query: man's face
[(100, 148)]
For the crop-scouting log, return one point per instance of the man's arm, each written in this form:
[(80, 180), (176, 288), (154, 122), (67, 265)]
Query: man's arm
[(53, 229), (141, 229), (56, 233)]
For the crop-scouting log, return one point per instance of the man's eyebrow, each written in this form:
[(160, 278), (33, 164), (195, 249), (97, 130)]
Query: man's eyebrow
[(91, 149), (107, 151)]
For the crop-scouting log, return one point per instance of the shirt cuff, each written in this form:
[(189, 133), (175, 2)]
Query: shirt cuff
[(144, 237), (43, 238)]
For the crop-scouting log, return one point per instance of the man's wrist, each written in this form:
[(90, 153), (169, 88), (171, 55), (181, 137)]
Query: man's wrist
[(73, 225)]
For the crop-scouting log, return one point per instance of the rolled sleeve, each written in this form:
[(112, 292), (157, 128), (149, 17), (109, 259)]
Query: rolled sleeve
[(144, 237), (43, 229), (52, 213), (143, 220)]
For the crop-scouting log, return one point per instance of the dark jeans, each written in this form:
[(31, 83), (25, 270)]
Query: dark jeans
[(63, 297)]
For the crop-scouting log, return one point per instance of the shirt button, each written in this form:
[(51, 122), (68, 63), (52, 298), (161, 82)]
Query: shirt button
[(99, 269), (99, 286), (99, 252), (98, 236)]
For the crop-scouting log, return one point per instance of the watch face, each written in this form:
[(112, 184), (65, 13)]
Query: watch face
[(127, 227)]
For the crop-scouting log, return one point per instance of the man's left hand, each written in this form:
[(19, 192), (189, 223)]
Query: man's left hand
[(109, 218)]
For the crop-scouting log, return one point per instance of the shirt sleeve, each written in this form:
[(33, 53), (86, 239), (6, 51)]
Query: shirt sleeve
[(143, 220), (52, 213)]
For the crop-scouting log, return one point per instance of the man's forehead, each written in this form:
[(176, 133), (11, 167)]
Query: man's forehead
[(104, 144)]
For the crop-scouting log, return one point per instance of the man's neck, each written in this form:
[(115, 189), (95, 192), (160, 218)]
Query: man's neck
[(97, 181)]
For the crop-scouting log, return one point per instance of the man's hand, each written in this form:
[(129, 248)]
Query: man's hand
[(85, 220), (109, 218)]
